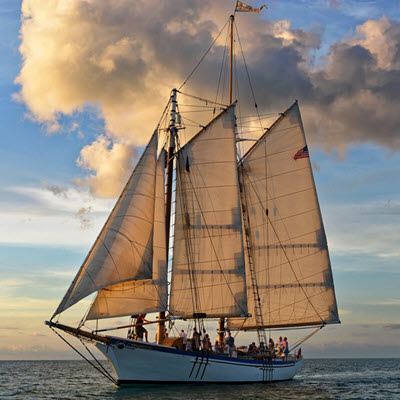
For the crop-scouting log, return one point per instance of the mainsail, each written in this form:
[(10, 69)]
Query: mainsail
[(124, 249), (288, 247), (208, 273), (147, 295)]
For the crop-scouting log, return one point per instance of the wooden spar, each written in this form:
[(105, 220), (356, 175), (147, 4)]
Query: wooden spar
[(131, 326), (78, 332), (168, 200)]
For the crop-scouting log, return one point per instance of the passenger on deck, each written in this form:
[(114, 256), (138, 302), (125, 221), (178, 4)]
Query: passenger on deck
[(140, 331), (196, 337), (285, 347), (223, 348), (271, 348), (183, 335), (262, 350), (230, 342), (209, 344), (206, 343), (279, 343), (217, 347), (189, 345), (252, 348)]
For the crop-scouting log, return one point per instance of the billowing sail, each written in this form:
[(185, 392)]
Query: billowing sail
[(147, 295), (123, 250), (288, 246), (208, 273)]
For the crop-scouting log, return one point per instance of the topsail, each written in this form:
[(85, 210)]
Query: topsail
[(288, 246), (124, 249)]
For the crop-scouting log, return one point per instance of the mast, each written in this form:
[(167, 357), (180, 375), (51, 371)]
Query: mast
[(221, 323), (231, 59), (168, 199)]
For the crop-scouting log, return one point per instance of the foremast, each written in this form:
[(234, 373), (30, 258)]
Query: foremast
[(172, 134)]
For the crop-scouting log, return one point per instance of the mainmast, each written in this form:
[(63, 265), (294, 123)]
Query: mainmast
[(232, 18), (221, 325), (168, 197)]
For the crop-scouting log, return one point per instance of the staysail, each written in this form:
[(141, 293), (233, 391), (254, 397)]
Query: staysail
[(124, 249), (288, 245), (208, 272), (148, 295)]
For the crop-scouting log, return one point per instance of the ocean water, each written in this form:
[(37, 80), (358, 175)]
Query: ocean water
[(319, 379)]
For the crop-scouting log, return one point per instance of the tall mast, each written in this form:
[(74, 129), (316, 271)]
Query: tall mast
[(231, 59), (168, 198), (221, 324)]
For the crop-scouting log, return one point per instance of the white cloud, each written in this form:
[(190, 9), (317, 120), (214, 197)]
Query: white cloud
[(110, 162), (132, 56), (43, 218)]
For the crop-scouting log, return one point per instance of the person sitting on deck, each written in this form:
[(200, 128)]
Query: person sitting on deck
[(271, 348), (252, 348), (139, 327), (217, 347), (279, 343), (262, 349)]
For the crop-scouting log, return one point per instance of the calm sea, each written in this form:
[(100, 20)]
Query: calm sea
[(319, 379)]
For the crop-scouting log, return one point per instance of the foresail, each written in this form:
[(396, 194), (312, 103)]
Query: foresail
[(123, 250), (148, 295), (288, 244), (208, 272)]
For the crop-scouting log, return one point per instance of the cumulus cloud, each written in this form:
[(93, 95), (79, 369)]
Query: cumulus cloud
[(109, 161), (124, 60)]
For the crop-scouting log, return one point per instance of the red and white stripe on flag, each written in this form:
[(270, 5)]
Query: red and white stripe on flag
[(302, 153)]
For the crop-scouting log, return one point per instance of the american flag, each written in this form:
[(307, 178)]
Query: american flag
[(302, 153)]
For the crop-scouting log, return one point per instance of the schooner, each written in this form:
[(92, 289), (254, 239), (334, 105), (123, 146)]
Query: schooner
[(204, 232)]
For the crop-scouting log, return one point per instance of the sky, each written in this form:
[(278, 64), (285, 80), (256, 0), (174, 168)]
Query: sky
[(82, 85)]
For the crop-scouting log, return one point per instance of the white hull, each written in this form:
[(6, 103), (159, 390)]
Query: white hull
[(135, 362)]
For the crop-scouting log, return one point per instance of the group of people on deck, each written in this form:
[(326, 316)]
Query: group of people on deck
[(196, 343), (280, 349)]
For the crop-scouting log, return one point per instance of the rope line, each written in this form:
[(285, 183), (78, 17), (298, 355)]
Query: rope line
[(109, 377), (204, 56)]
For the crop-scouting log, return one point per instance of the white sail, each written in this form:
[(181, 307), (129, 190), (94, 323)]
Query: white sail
[(123, 250), (148, 295), (208, 273), (288, 244)]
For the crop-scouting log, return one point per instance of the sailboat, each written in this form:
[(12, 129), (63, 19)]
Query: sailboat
[(204, 233)]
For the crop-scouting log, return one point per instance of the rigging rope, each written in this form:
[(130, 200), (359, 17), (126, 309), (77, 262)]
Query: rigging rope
[(297, 344), (113, 380), (204, 56)]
